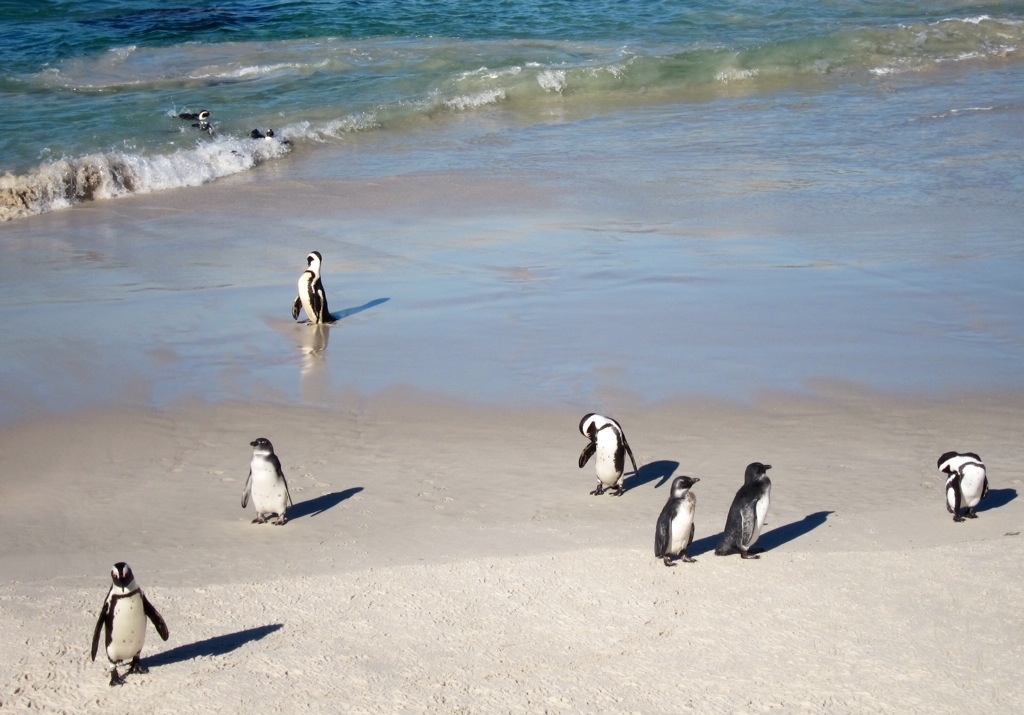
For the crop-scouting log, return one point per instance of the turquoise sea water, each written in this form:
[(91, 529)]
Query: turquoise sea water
[(91, 91)]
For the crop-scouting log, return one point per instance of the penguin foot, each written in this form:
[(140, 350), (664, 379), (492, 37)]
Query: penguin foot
[(280, 521), (619, 491), (597, 492), (957, 518), (748, 555), (971, 514), (667, 560), (687, 559), (115, 677), (137, 666), (259, 519)]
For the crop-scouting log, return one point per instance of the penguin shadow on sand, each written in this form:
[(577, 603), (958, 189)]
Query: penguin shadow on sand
[(318, 505), (218, 645), (770, 539), (996, 498), (661, 470), (339, 315)]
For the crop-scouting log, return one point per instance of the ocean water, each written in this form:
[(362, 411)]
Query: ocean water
[(562, 202), (92, 91)]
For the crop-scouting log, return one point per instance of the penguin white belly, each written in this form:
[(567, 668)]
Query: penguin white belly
[(269, 495), (971, 485), (606, 470), (760, 514), (679, 531), (128, 633)]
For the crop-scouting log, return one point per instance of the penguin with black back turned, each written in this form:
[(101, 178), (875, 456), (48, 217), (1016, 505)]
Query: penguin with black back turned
[(311, 295), (674, 532), (966, 483), (122, 620), (747, 513)]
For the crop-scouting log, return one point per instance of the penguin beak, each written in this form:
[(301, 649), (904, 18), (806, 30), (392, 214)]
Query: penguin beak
[(252, 444)]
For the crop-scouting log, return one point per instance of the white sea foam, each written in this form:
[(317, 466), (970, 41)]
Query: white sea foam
[(480, 99), (552, 80), (64, 182)]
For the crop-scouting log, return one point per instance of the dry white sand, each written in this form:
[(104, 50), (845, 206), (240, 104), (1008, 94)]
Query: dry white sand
[(445, 557)]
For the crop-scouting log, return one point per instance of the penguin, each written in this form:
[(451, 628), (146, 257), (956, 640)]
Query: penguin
[(200, 119), (266, 484), (747, 513), (123, 621), (589, 425), (257, 134), (609, 443), (203, 115), (674, 532), (966, 483), (311, 296)]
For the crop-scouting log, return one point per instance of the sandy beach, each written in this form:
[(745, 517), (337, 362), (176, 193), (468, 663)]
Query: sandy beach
[(476, 573), (754, 288)]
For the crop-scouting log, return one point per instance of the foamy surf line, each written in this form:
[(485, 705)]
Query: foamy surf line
[(66, 182)]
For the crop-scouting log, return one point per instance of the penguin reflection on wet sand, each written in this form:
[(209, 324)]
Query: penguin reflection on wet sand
[(311, 295), (266, 484), (966, 483), (747, 513), (123, 622), (608, 442), (674, 532)]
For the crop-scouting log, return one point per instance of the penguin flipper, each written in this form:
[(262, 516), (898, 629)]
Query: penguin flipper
[(689, 539), (296, 306), (984, 488), (661, 533), (280, 475), (248, 488), (587, 453), (99, 627), (154, 617), (630, 453)]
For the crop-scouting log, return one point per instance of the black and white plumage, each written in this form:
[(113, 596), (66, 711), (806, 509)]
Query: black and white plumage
[(966, 483), (747, 513), (266, 484), (608, 441), (311, 296), (674, 532), (200, 120), (203, 115), (123, 622)]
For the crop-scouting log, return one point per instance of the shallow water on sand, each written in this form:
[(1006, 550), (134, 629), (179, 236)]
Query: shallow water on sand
[(752, 243)]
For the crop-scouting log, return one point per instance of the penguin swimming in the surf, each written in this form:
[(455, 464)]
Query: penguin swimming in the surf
[(266, 484), (608, 441), (966, 483), (747, 513), (203, 115), (674, 532), (311, 296), (269, 134), (123, 621), (201, 119)]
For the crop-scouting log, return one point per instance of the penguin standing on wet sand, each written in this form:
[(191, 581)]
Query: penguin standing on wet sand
[(266, 484), (311, 296), (609, 443), (966, 483), (674, 532), (123, 621), (747, 513)]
